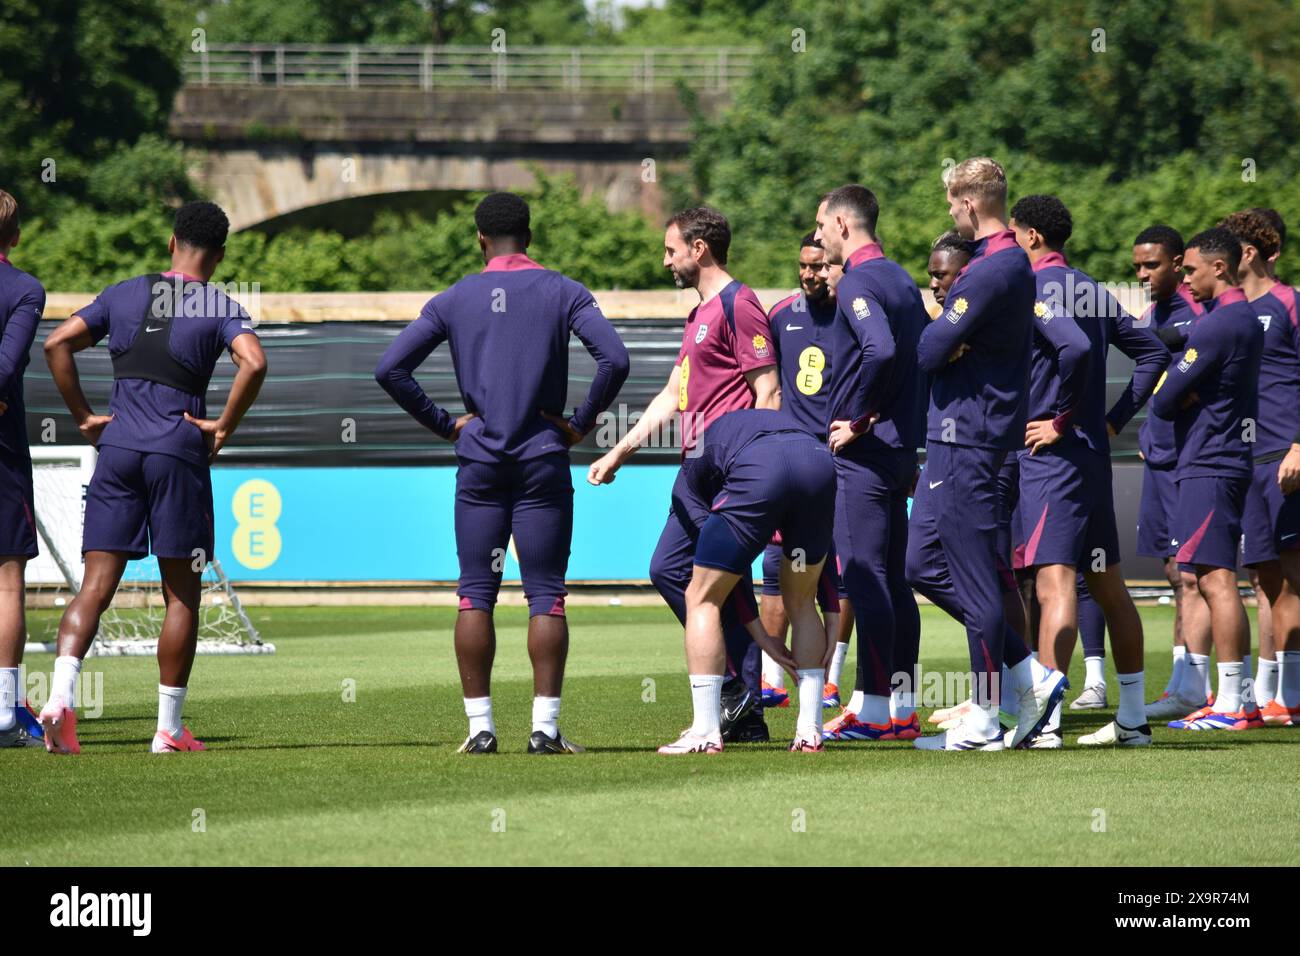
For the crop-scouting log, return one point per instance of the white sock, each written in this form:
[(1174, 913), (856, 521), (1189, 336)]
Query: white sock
[(64, 683), (855, 702), (811, 682), (837, 664), (706, 698), (1195, 670), (874, 710), (773, 672), (1028, 673), (546, 715), (1010, 695), (1094, 671), (983, 721), (1288, 678), (902, 705), (1180, 665), (479, 712), (170, 702), (1266, 681), (1229, 699), (8, 697), (1132, 711)]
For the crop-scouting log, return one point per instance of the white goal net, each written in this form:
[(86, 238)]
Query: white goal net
[(133, 621)]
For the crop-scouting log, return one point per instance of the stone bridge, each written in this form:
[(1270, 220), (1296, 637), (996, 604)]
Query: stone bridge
[(277, 129)]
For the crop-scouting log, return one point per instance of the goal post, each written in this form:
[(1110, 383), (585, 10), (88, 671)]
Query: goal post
[(133, 621)]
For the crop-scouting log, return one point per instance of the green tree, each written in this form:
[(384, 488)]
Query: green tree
[(576, 236), (80, 78), (888, 92)]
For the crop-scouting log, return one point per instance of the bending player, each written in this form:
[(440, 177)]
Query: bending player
[(1067, 510), (755, 473), (876, 415), (1271, 518), (725, 363), (508, 328), (22, 299), (152, 487), (1212, 396), (801, 325)]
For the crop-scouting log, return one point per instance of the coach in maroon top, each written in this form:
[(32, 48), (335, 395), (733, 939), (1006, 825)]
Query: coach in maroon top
[(726, 362)]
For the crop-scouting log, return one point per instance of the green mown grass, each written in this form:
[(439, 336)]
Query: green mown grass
[(296, 775)]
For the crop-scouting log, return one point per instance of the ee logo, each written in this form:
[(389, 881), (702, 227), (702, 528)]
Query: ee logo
[(812, 361), (256, 506)]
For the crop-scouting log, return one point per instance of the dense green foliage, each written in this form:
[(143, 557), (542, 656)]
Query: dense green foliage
[(1168, 110), (403, 252), (406, 252), (1155, 127), (86, 86)]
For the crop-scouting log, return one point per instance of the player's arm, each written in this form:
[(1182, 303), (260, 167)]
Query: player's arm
[(16, 342), (396, 374), (875, 338), (945, 339), (250, 364), (612, 365), (656, 416), (72, 336), (1151, 357), (765, 383), (772, 646), (1061, 336), (1177, 386), (756, 353)]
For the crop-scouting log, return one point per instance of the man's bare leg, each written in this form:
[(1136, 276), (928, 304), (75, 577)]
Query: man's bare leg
[(1126, 640), (13, 635), (1265, 594), (1230, 629), (811, 648), (771, 612), (77, 630), (1194, 614)]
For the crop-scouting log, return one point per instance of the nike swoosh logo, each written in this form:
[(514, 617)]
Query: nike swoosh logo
[(793, 328), (1288, 537), (158, 328), (936, 484)]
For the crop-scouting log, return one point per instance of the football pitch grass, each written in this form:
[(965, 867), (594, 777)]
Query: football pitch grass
[(298, 774)]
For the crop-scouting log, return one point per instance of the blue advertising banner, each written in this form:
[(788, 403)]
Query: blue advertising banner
[(395, 524)]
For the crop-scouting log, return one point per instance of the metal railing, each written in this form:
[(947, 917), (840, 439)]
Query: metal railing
[(642, 69)]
